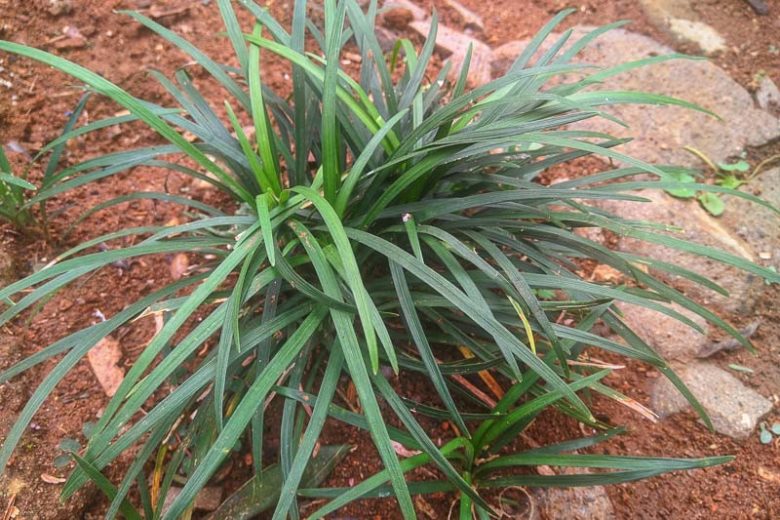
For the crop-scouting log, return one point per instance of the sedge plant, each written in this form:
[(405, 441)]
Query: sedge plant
[(17, 192), (391, 226), (14, 191)]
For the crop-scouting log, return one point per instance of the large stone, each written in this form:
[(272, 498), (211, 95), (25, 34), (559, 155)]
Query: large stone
[(703, 35), (415, 12), (661, 132), (207, 499), (470, 19), (687, 221), (768, 96), (681, 22), (671, 338), (576, 503), (733, 408), (454, 45), (757, 225), (659, 10)]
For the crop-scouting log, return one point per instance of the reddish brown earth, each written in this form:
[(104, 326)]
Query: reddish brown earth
[(36, 106)]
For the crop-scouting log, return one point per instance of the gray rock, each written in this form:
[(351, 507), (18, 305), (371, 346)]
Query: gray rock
[(397, 18), (576, 503), (207, 499), (471, 20), (733, 408), (661, 132), (658, 10), (768, 96), (386, 38), (681, 21), (726, 345), (405, 8), (687, 221), (671, 338), (703, 35), (758, 226), (58, 7), (454, 45)]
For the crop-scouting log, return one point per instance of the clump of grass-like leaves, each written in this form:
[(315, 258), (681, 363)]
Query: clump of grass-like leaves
[(17, 192), (14, 190), (384, 223)]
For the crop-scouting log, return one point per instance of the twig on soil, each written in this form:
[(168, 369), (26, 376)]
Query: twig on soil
[(594, 363), (713, 347), (452, 507), (8, 514), (531, 503), (701, 155), (763, 164), (479, 394)]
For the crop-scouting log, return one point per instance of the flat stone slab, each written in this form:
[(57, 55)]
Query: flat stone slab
[(733, 408), (669, 337), (661, 132), (471, 20), (680, 20), (757, 226), (576, 503), (686, 220), (450, 43), (411, 11), (768, 96), (454, 45), (698, 32)]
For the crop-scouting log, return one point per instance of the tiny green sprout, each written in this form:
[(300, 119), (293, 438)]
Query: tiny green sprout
[(545, 294), (740, 368), (61, 461), (776, 428), (727, 175), (87, 429), (731, 181), (712, 203), (765, 436), (14, 193), (741, 166), (68, 446), (681, 177)]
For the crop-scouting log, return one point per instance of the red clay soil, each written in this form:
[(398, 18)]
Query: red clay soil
[(35, 104)]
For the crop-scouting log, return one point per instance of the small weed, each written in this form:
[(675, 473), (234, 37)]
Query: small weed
[(740, 368), (68, 447), (14, 192), (730, 176), (18, 196), (767, 433)]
